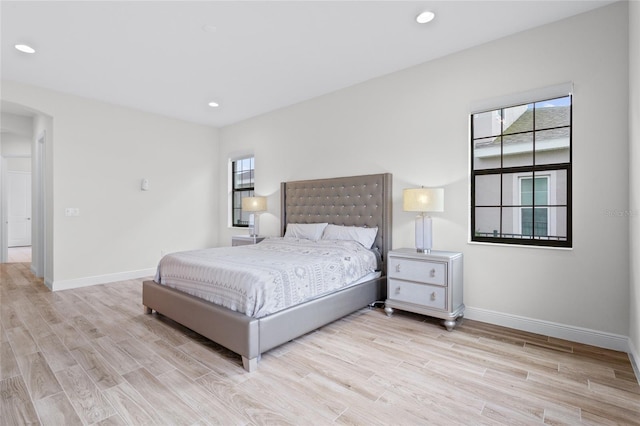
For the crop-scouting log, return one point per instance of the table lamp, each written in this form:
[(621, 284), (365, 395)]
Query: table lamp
[(423, 200), (254, 205)]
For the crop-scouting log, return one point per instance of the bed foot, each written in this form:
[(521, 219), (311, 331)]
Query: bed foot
[(147, 310), (250, 364)]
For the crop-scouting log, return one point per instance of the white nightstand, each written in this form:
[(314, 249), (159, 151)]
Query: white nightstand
[(425, 283), (245, 240)]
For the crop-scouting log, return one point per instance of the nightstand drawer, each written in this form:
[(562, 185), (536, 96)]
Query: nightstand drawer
[(417, 270), (420, 294)]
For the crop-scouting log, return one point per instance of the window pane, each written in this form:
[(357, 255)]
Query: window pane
[(518, 119), (557, 187), (487, 190), (534, 221), (552, 146), (553, 113), (511, 188), (558, 223), (541, 191), (240, 217), (487, 124), (526, 191), (518, 150), (487, 153), (487, 222), (510, 222)]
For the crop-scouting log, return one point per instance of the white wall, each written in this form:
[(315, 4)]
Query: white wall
[(634, 179), (100, 153), (16, 124), (414, 124)]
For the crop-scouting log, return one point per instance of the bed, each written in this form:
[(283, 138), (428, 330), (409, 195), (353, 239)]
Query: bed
[(363, 201)]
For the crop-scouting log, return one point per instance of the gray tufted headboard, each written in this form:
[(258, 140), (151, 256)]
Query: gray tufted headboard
[(350, 201)]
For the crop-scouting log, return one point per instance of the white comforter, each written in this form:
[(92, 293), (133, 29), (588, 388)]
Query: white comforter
[(261, 279)]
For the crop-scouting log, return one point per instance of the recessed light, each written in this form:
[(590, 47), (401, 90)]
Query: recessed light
[(424, 17), (214, 104), (25, 48)]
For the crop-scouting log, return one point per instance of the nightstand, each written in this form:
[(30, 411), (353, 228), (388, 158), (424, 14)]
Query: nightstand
[(425, 283), (245, 240)]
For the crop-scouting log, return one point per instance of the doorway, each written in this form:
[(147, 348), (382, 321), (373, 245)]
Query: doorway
[(21, 124)]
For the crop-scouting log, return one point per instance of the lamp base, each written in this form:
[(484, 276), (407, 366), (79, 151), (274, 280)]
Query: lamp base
[(254, 222), (423, 234)]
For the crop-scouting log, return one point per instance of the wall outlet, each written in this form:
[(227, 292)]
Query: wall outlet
[(72, 211)]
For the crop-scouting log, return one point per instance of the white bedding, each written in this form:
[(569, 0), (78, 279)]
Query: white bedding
[(264, 278)]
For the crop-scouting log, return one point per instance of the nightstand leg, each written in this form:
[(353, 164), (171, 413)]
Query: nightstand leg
[(388, 311), (449, 324)]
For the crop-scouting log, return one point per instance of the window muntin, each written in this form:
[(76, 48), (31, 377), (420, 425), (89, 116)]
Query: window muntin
[(520, 174), (243, 182)]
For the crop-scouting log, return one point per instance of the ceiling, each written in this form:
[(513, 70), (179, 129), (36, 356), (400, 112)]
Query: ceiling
[(173, 58)]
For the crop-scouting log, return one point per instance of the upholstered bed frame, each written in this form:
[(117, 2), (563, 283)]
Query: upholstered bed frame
[(351, 201)]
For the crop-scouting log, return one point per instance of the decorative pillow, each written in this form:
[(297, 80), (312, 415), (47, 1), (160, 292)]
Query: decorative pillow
[(308, 231), (365, 236)]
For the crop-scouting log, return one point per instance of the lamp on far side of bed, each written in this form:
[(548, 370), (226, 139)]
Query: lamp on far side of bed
[(254, 205), (423, 200)]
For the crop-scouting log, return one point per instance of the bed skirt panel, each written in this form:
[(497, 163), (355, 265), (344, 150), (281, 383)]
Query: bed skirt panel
[(278, 328), (233, 330)]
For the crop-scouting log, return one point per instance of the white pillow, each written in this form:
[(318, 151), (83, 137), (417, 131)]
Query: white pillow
[(308, 231), (365, 236)]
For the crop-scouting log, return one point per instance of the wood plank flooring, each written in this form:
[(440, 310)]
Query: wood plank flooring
[(91, 357)]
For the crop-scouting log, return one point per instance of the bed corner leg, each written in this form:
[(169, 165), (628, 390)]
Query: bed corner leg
[(250, 364), (147, 310)]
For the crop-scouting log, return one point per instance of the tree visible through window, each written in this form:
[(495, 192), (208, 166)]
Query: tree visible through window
[(521, 174), (243, 181)]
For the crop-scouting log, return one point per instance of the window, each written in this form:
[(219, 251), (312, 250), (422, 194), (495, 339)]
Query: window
[(242, 185), (521, 174)]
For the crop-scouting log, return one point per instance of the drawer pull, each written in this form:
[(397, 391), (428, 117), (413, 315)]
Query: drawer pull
[(398, 267), (433, 296), (432, 273), (397, 290)]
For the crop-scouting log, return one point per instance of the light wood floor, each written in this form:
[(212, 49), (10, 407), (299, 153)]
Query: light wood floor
[(90, 356)]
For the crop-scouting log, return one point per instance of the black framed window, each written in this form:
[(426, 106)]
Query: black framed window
[(521, 174), (242, 185)]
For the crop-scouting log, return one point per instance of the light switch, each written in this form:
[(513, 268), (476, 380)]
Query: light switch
[(144, 184), (72, 211)]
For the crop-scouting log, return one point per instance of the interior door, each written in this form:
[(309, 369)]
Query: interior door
[(19, 208)]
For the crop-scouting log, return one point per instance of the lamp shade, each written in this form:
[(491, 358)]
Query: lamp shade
[(423, 200), (254, 204)]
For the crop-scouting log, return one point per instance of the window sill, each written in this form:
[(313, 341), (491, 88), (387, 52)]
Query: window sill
[(482, 243)]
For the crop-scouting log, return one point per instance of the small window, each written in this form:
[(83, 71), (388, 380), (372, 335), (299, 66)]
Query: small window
[(521, 174), (242, 185)]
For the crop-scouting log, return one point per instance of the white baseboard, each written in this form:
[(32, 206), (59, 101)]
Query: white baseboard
[(547, 328), (99, 279)]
